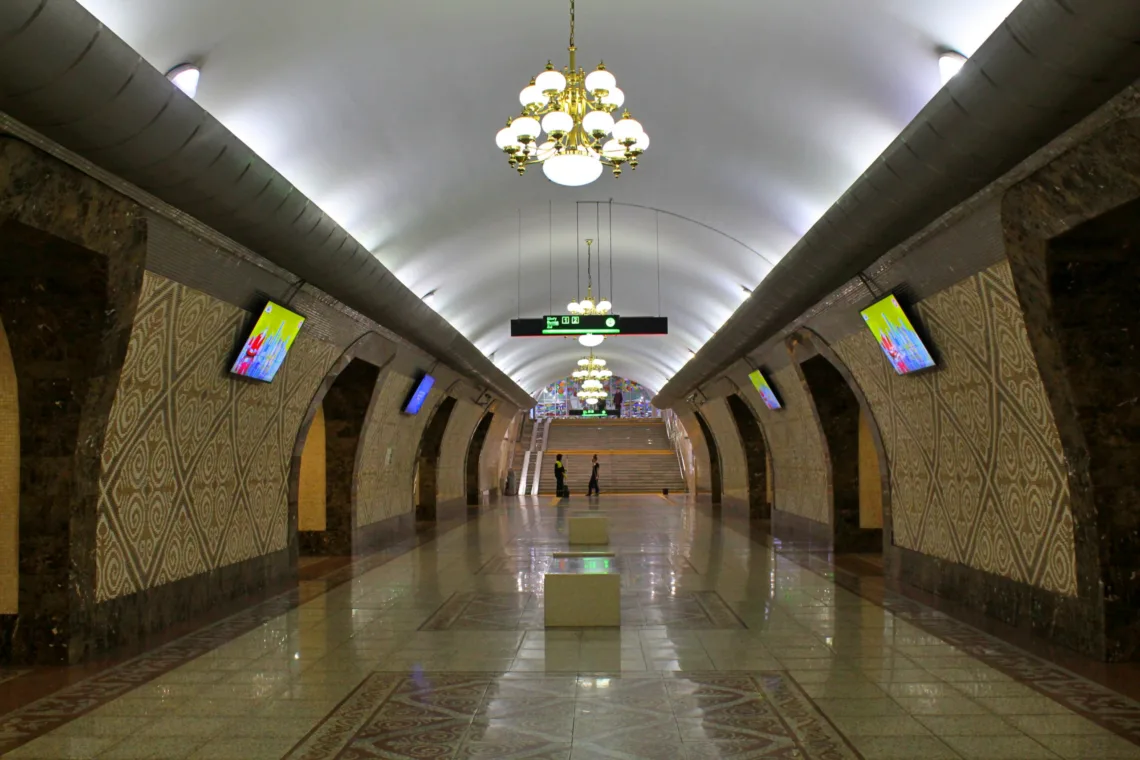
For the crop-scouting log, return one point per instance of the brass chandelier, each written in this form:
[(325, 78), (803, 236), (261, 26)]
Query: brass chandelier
[(587, 305), (591, 371), (576, 111)]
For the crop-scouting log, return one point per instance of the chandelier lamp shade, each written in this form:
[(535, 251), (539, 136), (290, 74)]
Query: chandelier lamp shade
[(576, 111)]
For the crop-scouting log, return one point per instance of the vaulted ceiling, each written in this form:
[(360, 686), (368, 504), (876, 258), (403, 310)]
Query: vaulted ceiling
[(760, 113)]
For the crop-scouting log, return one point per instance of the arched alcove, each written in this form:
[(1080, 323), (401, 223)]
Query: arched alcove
[(474, 454), (427, 462), (9, 481), (755, 454), (859, 482), (715, 482), (344, 409), (312, 501)]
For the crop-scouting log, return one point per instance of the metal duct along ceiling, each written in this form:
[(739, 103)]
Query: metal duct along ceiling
[(1048, 66), (65, 75)]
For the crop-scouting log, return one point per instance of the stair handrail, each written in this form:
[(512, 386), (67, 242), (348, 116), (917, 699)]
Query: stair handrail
[(681, 445)]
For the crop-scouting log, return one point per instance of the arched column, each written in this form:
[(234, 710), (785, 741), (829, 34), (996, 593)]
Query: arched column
[(715, 481), (755, 454), (474, 454), (67, 311), (427, 461)]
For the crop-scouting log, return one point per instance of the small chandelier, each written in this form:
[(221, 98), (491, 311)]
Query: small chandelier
[(587, 305), (576, 111), (591, 371)]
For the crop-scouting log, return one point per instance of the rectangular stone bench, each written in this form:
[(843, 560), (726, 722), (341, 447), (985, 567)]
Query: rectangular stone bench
[(589, 529), (585, 592)]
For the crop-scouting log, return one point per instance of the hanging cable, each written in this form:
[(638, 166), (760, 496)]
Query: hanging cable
[(598, 239), (518, 300), (657, 225), (550, 250), (578, 247), (612, 250)]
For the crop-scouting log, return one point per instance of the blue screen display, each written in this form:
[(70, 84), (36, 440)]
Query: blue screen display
[(419, 395)]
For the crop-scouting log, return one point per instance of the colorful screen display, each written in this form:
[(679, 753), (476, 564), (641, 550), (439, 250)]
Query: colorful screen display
[(419, 395), (269, 342), (891, 327), (764, 389)]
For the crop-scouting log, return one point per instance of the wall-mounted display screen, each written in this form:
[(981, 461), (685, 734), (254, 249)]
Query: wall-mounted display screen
[(897, 337), (765, 390), (269, 342), (419, 395)]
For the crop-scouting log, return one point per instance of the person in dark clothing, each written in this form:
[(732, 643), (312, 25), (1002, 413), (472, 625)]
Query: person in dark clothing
[(593, 487), (617, 401), (559, 476)]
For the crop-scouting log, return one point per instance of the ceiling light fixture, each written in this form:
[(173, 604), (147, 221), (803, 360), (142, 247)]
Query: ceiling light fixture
[(185, 77), (587, 305), (950, 62), (576, 111), (590, 373)]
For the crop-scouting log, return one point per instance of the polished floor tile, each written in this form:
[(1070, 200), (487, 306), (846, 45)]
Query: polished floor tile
[(728, 649)]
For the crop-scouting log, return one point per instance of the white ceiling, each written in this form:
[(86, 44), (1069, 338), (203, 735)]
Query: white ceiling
[(760, 113)]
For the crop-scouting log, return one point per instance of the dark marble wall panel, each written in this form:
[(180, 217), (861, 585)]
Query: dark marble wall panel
[(1063, 297), (71, 265)]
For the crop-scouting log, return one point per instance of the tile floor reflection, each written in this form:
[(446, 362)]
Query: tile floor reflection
[(727, 650)]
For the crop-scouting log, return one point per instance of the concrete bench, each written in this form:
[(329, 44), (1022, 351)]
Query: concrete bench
[(590, 529), (583, 592)]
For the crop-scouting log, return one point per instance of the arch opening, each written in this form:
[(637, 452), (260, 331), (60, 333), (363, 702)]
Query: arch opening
[(755, 455), (427, 462), (343, 412), (856, 486), (474, 455), (1092, 274), (715, 483)]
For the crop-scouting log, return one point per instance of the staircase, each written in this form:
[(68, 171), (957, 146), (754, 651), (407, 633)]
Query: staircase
[(635, 456)]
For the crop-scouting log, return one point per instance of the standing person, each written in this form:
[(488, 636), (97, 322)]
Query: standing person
[(593, 487), (559, 477), (617, 401)]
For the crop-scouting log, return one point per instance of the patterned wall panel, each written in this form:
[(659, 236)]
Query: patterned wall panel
[(385, 486), (452, 482), (195, 462), (977, 470), (733, 467), (799, 462)]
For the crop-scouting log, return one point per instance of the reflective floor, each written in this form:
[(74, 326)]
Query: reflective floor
[(727, 650)]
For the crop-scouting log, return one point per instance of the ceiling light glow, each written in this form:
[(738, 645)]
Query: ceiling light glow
[(949, 64), (185, 77)]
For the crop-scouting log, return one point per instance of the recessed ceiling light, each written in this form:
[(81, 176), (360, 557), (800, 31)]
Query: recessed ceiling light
[(185, 77), (950, 62)]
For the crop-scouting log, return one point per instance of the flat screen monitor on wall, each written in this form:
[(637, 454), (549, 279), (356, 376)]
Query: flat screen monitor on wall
[(419, 395), (897, 337), (764, 390), (268, 343)]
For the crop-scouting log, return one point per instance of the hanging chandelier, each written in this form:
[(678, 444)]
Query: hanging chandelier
[(587, 305), (576, 112), (591, 371)]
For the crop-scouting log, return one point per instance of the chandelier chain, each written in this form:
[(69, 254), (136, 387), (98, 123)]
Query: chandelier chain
[(571, 23)]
